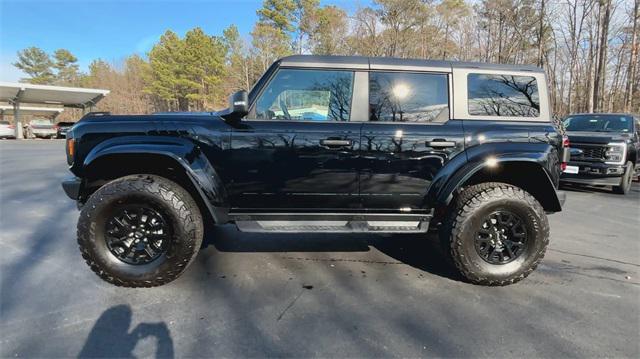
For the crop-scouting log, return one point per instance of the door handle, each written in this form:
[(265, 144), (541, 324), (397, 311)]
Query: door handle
[(335, 143), (440, 143)]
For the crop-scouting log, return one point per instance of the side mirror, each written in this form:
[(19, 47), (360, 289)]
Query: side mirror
[(238, 106)]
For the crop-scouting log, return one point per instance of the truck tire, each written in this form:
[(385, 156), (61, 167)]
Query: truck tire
[(496, 234), (140, 231), (625, 181)]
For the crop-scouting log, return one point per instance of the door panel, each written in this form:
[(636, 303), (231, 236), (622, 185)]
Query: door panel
[(401, 159), (299, 149), (408, 138), (282, 164)]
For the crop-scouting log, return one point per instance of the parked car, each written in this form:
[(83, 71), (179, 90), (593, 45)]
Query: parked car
[(7, 130), (604, 150), (62, 128), (40, 129), (329, 144)]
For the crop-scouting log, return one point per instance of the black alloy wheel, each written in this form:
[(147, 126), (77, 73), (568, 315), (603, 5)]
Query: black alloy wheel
[(137, 234), (501, 238)]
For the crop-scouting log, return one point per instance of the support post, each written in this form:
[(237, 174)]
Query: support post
[(16, 114), (16, 120)]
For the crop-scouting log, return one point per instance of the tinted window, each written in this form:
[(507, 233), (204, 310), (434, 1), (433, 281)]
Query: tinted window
[(4, 122), (408, 97), (599, 123), (503, 95), (309, 95)]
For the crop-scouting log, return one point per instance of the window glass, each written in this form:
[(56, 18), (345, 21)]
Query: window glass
[(503, 95), (408, 97), (307, 95), (598, 123)]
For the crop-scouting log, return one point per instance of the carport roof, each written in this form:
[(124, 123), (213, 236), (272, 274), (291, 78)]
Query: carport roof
[(53, 95), (32, 110)]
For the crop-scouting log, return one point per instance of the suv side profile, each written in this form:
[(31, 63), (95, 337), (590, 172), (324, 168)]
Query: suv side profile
[(328, 144)]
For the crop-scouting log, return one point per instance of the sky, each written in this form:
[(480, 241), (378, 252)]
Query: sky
[(112, 30)]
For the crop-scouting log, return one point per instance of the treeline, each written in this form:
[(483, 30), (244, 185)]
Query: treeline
[(588, 48)]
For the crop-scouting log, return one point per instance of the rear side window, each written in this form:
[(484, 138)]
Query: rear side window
[(408, 97), (307, 95), (503, 95)]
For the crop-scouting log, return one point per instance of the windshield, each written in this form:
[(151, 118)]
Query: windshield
[(599, 123), (40, 122)]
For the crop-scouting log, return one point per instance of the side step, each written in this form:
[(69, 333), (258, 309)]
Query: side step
[(331, 222)]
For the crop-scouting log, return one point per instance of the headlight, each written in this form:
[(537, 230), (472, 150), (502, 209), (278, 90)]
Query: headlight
[(616, 153)]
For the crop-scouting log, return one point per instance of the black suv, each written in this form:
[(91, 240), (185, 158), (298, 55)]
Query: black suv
[(328, 144), (604, 150)]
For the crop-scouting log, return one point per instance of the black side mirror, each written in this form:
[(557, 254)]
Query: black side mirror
[(238, 106)]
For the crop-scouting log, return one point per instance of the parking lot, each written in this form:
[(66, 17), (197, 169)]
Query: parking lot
[(305, 295)]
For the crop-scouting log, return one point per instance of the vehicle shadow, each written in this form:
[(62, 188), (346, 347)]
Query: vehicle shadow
[(110, 336), (586, 188), (422, 252)]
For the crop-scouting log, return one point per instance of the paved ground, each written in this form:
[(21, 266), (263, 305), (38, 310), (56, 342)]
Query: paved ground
[(306, 295)]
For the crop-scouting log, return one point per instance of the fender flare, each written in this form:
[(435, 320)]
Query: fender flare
[(188, 155), (539, 156)]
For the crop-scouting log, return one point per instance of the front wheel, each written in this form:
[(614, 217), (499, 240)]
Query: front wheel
[(140, 231), (496, 234), (625, 181)]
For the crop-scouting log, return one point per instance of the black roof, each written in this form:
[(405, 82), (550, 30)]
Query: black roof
[(373, 63)]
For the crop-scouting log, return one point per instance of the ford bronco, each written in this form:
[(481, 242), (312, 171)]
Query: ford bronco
[(328, 144)]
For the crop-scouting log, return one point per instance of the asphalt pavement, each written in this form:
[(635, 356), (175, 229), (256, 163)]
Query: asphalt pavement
[(311, 295)]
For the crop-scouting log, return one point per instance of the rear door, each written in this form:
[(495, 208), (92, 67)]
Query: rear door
[(409, 138), (297, 149)]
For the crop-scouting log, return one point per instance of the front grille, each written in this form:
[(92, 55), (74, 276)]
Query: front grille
[(590, 152)]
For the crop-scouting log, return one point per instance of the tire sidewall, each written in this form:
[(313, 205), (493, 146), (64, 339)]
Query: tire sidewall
[(536, 239), (179, 251)]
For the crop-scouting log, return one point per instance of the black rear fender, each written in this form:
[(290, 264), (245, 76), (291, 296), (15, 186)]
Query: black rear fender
[(533, 167), (175, 158)]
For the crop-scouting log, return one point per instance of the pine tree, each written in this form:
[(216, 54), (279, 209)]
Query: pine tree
[(37, 64), (66, 66)]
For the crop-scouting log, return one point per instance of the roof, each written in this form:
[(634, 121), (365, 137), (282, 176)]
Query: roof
[(56, 95), (31, 110), (391, 63)]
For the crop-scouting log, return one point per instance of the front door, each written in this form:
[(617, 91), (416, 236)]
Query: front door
[(408, 139), (297, 149)]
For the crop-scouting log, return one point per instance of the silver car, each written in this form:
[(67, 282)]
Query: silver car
[(7, 130), (40, 129)]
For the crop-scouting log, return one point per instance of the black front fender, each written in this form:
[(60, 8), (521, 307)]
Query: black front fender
[(195, 164)]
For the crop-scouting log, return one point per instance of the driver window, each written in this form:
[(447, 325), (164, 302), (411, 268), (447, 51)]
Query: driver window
[(306, 95)]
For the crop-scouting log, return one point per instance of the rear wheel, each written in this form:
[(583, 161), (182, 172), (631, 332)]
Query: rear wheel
[(140, 231), (625, 181), (496, 234)]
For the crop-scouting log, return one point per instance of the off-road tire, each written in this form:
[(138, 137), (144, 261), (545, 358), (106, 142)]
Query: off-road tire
[(625, 181), (167, 197), (460, 227)]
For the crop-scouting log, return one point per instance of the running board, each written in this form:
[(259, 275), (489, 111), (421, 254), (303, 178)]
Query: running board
[(331, 222)]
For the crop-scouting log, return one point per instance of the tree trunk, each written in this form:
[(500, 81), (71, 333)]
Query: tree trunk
[(541, 32), (602, 56), (633, 59)]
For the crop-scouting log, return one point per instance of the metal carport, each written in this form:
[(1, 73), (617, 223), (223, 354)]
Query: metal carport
[(20, 93)]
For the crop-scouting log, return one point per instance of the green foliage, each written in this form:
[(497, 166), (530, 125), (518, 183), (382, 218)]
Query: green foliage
[(185, 73), (278, 13), (326, 34), (37, 64), (67, 67)]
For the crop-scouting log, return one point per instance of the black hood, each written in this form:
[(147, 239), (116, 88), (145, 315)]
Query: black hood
[(598, 137)]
